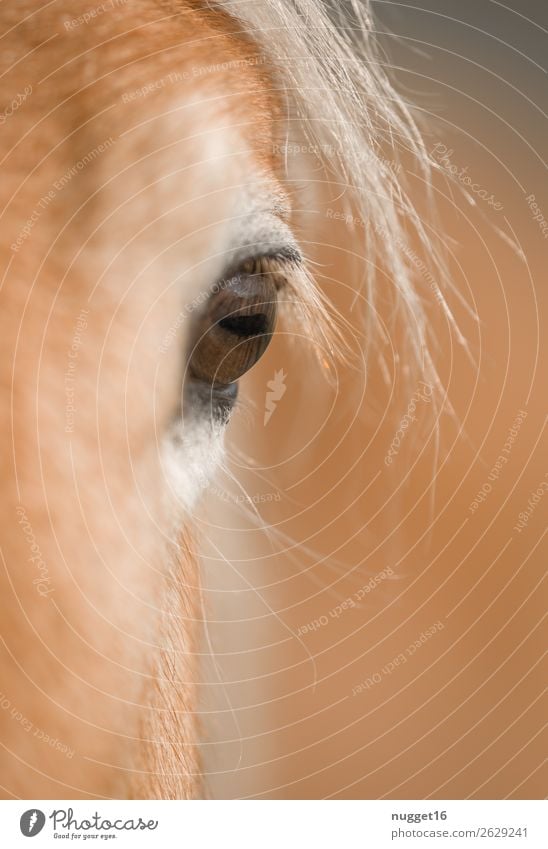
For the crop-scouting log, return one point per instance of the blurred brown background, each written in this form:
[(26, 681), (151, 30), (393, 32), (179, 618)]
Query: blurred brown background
[(385, 638)]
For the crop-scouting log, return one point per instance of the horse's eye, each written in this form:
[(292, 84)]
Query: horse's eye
[(234, 329)]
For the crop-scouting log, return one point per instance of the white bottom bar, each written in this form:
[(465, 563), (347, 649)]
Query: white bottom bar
[(276, 824)]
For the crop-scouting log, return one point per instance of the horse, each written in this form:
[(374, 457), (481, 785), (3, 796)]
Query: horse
[(151, 199)]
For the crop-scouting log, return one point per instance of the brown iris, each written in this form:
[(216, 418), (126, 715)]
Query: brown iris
[(235, 329)]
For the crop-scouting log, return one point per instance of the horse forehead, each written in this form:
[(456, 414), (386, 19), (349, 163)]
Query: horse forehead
[(140, 56), (184, 103)]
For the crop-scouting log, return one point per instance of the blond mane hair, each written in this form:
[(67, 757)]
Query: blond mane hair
[(339, 94)]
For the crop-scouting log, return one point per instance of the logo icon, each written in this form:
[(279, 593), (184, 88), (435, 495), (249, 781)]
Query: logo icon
[(32, 822), (277, 391)]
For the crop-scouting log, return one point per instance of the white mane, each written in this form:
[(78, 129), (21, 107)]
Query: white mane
[(327, 60)]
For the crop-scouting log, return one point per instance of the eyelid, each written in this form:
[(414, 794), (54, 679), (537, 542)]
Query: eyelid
[(277, 262)]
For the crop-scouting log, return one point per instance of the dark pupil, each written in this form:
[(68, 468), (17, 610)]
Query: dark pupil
[(245, 325)]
